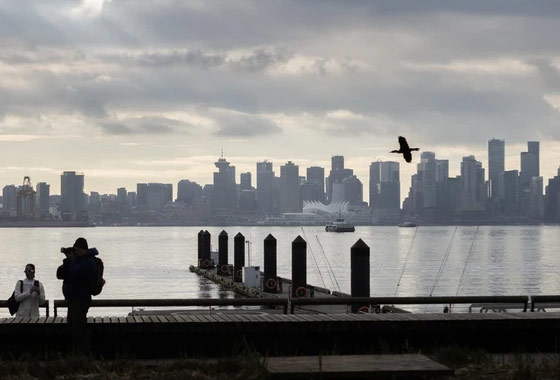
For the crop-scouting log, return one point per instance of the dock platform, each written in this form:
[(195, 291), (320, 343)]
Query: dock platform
[(286, 334)]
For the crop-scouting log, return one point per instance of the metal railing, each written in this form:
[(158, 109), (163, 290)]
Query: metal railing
[(443, 300), (207, 302), (291, 303), (45, 305)]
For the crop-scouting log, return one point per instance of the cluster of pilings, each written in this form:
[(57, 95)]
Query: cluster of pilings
[(271, 283)]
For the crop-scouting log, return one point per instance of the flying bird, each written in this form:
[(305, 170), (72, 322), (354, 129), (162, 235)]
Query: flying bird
[(404, 149)]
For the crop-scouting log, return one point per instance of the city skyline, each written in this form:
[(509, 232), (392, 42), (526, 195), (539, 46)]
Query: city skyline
[(403, 168), (130, 93)]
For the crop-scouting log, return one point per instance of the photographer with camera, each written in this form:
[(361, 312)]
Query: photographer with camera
[(29, 293), (79, 271)]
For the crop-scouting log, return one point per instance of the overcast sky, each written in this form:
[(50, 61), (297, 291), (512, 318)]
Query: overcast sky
[(130, 91)]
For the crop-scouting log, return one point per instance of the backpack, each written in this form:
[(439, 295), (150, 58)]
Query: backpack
[(13, 305), (97, 286)]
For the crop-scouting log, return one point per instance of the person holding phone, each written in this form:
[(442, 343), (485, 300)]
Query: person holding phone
[(29, 293)]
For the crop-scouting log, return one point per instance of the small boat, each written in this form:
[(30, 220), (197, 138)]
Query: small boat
[(407, 224), (339, 225)]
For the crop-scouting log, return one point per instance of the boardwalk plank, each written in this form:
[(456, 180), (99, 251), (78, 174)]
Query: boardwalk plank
[(405, 365), (162, 319), (114, 320)]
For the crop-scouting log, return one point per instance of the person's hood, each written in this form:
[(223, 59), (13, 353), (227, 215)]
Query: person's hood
[(92, 252)]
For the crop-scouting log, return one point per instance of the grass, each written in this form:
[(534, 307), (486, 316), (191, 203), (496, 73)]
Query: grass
[(478, 364), (82, 367), (246, 364)]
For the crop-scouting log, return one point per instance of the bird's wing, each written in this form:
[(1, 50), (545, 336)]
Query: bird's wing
[(403, 144), (407, 156)]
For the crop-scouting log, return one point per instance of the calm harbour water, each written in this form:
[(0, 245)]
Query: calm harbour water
[(153, 262)]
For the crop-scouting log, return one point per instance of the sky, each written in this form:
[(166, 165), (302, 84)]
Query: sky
[(129, 91)]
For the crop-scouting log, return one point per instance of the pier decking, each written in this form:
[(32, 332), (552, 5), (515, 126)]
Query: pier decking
[(223, 333)]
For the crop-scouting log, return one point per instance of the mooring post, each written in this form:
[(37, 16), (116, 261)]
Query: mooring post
[(238, 257), (223, 253), (206, 259), (299, 268), (270, 282), (359, 273), (200, 237)]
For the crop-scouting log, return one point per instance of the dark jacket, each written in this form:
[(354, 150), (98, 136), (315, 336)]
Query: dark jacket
[(78, 275)]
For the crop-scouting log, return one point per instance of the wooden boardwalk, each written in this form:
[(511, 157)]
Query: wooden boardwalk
[(218, 333), (403, 366)]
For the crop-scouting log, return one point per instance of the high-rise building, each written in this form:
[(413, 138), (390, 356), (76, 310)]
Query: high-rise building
[(496, 161), (289, 188), (536, 198), (187, 191), (529, 164), (157, 196), (316, 175), (43, 194), (427, 168), (71, 194), (122, 198), (508, 194), (552, 199), (265, 187), (141, 195), (245, 181), (472, 185), (337, 174), (224, 194), (384, 188), (353, 190), (94, 205)]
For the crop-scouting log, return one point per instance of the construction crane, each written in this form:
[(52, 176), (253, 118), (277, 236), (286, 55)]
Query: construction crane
[(26, 200)]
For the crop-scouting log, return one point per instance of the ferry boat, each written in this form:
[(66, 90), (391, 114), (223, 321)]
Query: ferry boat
[(407, 224), (339, 225)]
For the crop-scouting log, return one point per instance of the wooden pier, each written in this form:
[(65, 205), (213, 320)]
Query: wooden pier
[(222, 333)]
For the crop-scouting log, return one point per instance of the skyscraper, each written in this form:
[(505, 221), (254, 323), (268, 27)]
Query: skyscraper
[(552, 198), (353, 190), (316, 175), (337, 174), (529, 164), (384, 185), (224, 194), (71, 194), (472, 185), (289, 188), (245, 181), (427, 168), (496, 162), (43, 194), (265, 187), (187, 191)]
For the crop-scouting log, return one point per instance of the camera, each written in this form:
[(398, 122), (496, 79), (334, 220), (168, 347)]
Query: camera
[(67, 251)]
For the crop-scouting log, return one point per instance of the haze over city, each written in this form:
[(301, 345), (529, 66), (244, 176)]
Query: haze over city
[(134, 91)]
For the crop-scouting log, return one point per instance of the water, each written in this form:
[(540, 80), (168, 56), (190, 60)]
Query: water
[(152, 262)]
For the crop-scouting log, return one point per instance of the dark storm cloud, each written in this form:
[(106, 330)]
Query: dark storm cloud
[(146, 125)]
